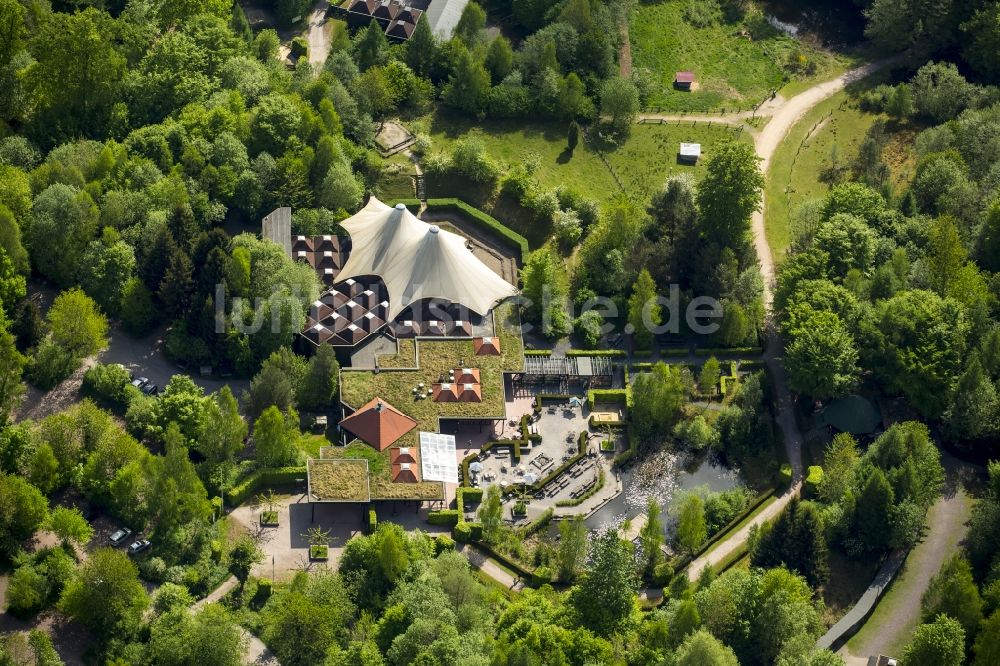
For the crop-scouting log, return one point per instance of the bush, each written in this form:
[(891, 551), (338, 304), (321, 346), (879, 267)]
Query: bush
[(139, 414), (50, 365), (470, 159), (703, 13), (443, 543), (612, 396), (372, 521), (108, 382), (662, 574), (542, 576), (264, 589), (300, 48), (154, 570)]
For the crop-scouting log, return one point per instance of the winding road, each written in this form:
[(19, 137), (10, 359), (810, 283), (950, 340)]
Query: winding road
[(784, 116)]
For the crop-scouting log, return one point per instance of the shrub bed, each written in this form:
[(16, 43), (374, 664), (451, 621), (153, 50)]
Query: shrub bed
[(320, 553)]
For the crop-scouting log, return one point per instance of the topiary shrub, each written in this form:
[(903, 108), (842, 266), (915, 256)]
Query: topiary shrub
[(813, 478), (785, 474)]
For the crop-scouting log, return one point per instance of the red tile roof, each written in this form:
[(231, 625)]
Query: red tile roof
[(379, 424)]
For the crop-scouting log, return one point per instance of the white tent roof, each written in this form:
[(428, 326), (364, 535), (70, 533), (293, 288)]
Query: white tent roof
[(417, 260)]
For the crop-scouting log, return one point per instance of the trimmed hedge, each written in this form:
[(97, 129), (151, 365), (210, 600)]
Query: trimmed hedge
[(720, 351), (448, 517), (538, 352), (615, 396), (372, 521), (461, 494), (468, 532), (270, 476), (483, 220), (675, 351), (642, 353), (596, 352)]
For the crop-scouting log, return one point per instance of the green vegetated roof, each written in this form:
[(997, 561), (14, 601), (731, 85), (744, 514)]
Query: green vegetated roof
[(854, 414), (434, 358), (342, 480)]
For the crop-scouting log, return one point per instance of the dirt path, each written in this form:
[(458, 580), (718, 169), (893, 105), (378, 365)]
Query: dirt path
[(625, 54), (316, 34), (898, 612), (783, 118)]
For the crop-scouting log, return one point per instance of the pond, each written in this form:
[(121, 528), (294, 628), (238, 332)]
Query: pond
[(662, 475)]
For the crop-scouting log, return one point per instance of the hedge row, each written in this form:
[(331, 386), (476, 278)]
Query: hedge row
[(372, 521), (596, 352), (485, 221), (722, 351), (675, 351), (447, 517), (473, 494), (538, 352), (615, 396), (468, 532), (270, 476)]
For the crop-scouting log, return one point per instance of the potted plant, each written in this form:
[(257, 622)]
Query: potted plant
[(319, 540)]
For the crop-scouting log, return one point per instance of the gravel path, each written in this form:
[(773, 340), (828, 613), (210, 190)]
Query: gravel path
[(898, 613), (480, 561)]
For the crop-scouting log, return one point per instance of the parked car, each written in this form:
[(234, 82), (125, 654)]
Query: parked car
[(120, 536), (139, 382), (139, 546), (151, 389)]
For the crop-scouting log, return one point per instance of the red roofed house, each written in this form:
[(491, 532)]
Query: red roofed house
[(379, 424), (684, 80)]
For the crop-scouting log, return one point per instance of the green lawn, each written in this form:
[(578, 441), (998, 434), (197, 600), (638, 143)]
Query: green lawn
[(732, 70), (833, 128), (642, 163)]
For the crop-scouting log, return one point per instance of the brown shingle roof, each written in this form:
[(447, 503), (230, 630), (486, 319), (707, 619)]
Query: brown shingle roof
[(379, 424)]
